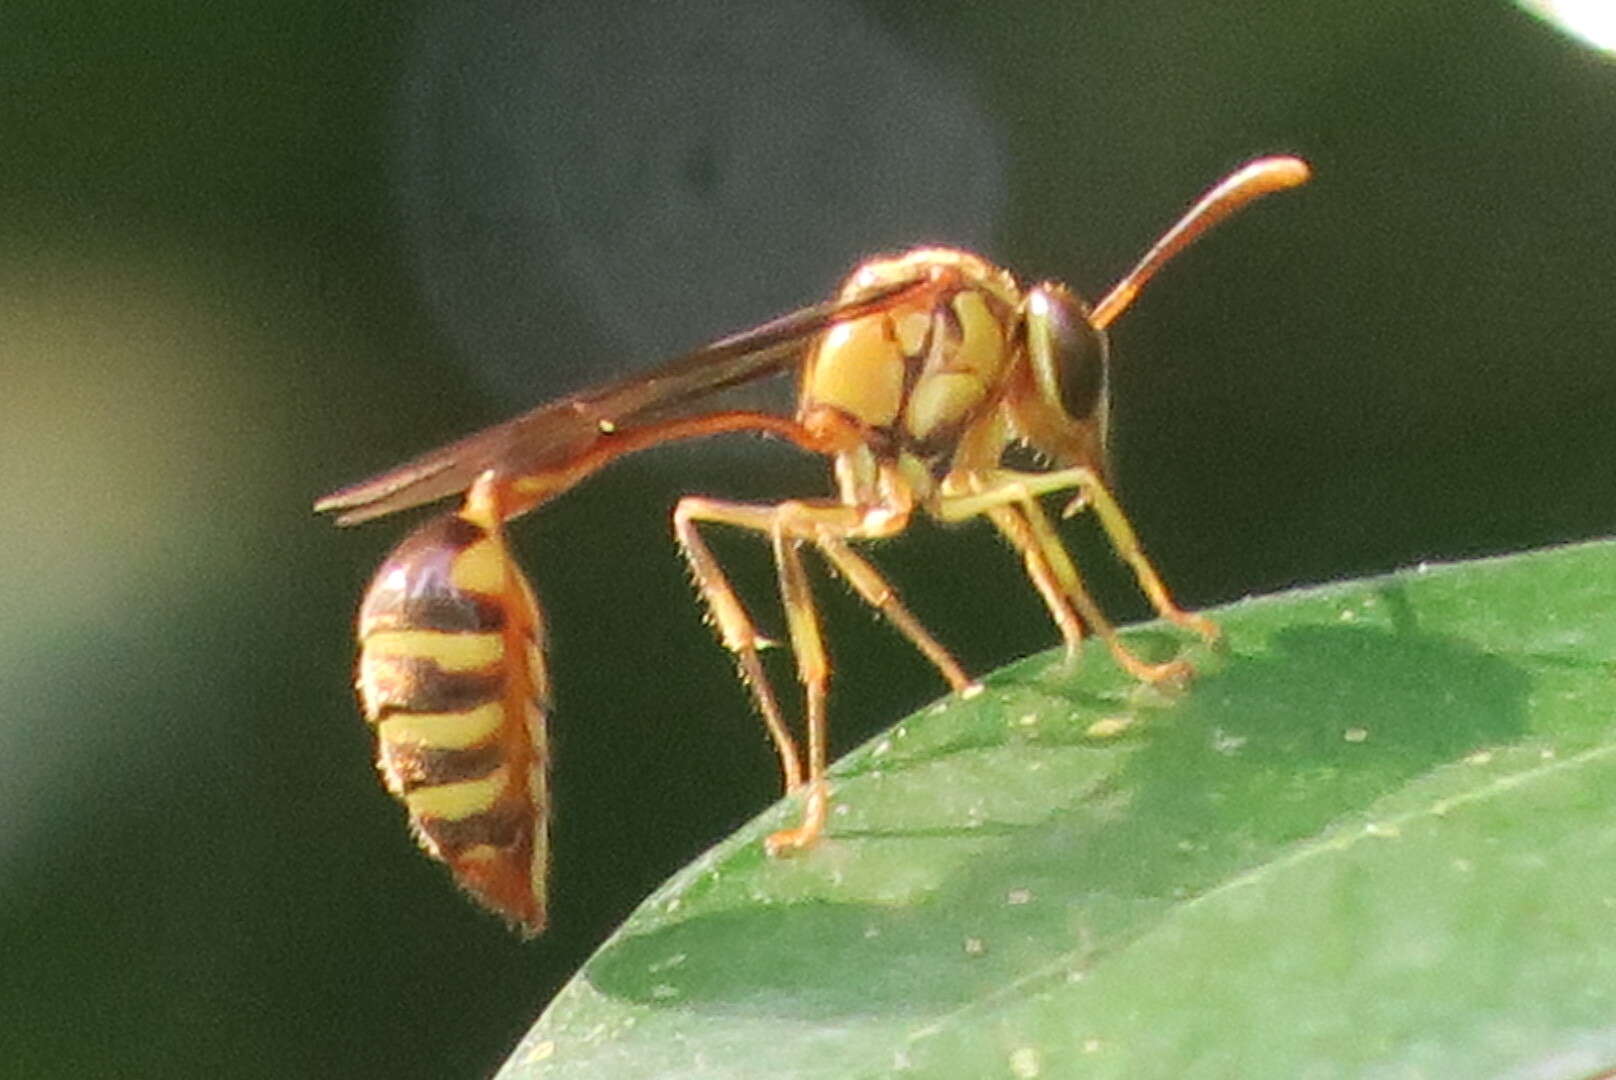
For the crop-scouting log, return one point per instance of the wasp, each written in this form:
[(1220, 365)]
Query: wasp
[(915, 380)]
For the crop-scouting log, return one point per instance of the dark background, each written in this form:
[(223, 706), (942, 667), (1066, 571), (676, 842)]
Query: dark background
[(249, 252)]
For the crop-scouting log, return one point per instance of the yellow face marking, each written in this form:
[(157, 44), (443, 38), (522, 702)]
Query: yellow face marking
[(481, 568), (451, 651), (444, 731), (457, 801)]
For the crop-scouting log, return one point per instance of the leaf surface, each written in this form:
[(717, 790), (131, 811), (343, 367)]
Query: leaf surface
[(1375, 837)]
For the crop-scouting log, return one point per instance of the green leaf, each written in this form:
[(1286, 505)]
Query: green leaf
[(1376, 837)]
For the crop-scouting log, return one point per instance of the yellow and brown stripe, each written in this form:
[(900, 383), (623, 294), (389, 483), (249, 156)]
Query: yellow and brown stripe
[(452, 676)]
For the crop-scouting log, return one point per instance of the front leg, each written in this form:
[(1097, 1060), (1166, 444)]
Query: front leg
[(1009, 499), (998, 487)]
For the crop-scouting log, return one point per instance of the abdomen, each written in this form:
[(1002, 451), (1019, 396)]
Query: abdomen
[(452, 678)]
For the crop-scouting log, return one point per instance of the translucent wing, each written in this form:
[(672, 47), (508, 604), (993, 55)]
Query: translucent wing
[(559, 443)]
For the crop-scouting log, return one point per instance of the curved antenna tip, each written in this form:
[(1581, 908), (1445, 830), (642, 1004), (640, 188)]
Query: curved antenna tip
[(1253, 180), (1279, 171)]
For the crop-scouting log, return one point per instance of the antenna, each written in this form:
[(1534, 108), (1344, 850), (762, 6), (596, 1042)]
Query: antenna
[(1249, 182)]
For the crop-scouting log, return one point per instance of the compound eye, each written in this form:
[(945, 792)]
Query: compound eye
[(1077, 351)]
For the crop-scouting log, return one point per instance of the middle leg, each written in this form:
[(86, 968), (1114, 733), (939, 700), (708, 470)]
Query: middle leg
[(828, 526)]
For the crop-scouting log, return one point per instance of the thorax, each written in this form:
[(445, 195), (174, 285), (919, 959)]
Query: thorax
[(914, 377)]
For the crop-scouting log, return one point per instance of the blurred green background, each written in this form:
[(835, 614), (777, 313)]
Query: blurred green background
[(250, 252)]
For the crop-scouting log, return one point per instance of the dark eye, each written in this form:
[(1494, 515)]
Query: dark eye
[(1077, 349)]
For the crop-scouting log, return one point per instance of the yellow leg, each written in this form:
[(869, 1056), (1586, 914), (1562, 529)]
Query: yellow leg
[(1001, 486), (1013, 524), (813, 670), (735, 628), (879, 594), (789, 525), (1049, 545)]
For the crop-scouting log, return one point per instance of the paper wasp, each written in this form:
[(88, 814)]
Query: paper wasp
[(915, 380)]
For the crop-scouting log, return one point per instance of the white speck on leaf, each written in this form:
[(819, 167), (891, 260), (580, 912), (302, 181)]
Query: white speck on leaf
[(1108, 726), (1025, 1063), (670, 962)]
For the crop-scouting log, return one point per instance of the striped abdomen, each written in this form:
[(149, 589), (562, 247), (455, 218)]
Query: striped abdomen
[(452, 677)]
